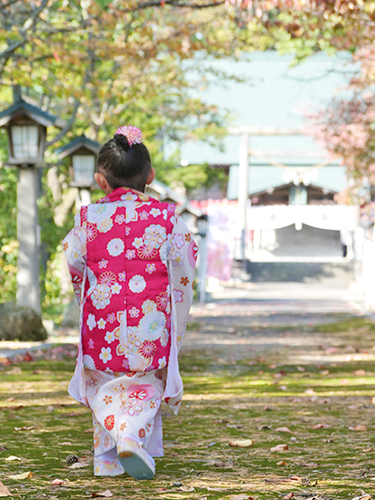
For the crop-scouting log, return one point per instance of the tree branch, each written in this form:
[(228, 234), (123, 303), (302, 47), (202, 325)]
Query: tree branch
[(8, 4), (173, 3), (67, 127)]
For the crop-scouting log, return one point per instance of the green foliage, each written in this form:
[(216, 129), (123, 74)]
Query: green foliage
[(8, 232), (275, 395)]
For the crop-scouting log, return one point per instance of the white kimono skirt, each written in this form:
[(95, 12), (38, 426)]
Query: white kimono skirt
[(126, 406)]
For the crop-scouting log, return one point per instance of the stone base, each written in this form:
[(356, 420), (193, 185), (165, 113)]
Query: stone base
[(20, 323)]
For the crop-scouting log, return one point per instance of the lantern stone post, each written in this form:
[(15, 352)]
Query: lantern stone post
[(83, 153), (26, 127)]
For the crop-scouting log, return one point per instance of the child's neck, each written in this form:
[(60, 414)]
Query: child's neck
[(108, 190)]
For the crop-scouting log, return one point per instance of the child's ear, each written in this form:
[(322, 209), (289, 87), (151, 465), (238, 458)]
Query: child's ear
[(101, 181), (151, 176)]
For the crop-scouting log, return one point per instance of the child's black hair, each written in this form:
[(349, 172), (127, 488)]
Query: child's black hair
[(124, 166)]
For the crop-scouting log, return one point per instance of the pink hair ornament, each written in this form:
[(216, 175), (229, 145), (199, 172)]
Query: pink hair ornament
[(133, 134)]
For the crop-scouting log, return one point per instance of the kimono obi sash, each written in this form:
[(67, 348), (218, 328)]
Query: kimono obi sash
[(126, 320)]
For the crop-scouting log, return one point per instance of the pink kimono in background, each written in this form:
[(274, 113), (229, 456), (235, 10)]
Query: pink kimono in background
[(132, 265)]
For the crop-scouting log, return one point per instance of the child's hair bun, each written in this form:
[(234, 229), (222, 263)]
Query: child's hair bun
[(122, 141)]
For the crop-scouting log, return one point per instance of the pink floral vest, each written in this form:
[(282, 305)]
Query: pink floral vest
[(127, 305)]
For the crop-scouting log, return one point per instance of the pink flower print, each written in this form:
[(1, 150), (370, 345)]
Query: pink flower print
[(91, 344), (141, 392), (101, 296), (122, 276), (120, 219), (178, 295), (144, 215), (130, 254), (133, 408), (147, 252), (177, 258), (125, 364), (148, 349), (105, 354), (162, 300), (103, 264), (115, 247), (137, 284), (107, 278), (155, 212), (137, 243), (154, 236), (91, 232), (134, 312), (178, 240), (84, 214), (111, 318), (150, 268), (127, 231)]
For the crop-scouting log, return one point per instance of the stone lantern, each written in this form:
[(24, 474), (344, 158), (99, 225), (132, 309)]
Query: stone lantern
[(83, 154), (26, 127)]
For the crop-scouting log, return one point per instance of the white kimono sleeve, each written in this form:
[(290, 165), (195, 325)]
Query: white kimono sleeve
[(74, 245), (183, 257)]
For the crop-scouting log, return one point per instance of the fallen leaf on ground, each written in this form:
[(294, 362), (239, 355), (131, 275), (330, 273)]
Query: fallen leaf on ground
[(363, 497), (331, 350), (241, 443), (360, 373), (368, 450), (4, 492), (373, 400), (234, 426), (77, 465), (288, 496), (90, 430), (240, 497), (24, 475), (283, 429), (66, 443), (280, 447), (295, 478), (12, 458), (310, 392), (57, 482), (320, 426), (282, 462), (186, 488), (358, 428), (106, 494), (29, 428)]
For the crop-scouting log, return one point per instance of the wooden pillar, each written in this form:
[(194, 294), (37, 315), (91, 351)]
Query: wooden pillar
[(28, 234), (83, 198), (243, 190)]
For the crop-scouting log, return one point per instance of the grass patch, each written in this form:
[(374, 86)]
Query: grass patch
[(310, 408), (364, 325)]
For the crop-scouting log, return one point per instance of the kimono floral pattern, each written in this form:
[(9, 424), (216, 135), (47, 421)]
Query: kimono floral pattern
[(127, 242), (132, 262), (126, 414)]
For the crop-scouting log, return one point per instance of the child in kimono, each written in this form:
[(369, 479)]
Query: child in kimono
[(131, 260)]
